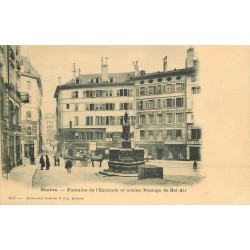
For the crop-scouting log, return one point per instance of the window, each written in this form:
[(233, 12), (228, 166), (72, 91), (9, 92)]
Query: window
[(178, 77), (89, 120), (159, 118), (169, 118), (169, 103), (141, 82), (28, 85), (142, 91), (159, 80), (179, 102), (158, 89), (124, 92), (178, 135), (150, 134), (178, 87), (89, 136), (126, 106), (110, 106), (169, 78), (158, 103), (151, 119), (76, 136), (195, 134), (111, 79), (74, 94), (140, 105), (150, 81), (178, 118), (151, 90), (142, 135), (76, 120), (70, 124), (76, 107), (97, 80), (193, 90), (77, 80), (29, 129), (150, 104), (111, 93), (169, 88), (142, 119), (28, 114), (67, 106)]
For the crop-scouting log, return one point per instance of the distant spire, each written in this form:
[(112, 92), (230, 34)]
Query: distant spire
[(79, 70)]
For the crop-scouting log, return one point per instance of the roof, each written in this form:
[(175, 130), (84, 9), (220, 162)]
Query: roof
[(120, 79), (30, 71), (176, 72)]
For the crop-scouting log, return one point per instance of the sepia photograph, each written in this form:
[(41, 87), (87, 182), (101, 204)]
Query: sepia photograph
[(115, 124)]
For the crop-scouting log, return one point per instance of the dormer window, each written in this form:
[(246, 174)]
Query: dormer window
[(111, 79), (77, 80)]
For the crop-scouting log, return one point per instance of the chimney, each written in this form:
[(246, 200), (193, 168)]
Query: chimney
[(74, 70), (135, 64), (104, 68), (59, 80), (190, 58), (165, 64)]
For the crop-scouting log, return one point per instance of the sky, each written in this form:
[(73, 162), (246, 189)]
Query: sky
[(57, 61)]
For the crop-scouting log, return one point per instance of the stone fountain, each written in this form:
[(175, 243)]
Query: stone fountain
[(125, 160)]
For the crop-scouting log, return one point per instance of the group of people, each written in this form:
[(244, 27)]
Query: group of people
[(56, 160), (45, 163)]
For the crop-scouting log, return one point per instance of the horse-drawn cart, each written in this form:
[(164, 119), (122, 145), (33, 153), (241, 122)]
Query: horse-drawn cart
[(84, 159)]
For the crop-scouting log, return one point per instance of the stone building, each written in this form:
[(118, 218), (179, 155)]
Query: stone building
[(90, 110), (164, 114), (31, 115), (49, 128), (10, 104)]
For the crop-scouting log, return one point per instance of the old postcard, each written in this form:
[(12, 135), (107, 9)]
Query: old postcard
[(125, 124)]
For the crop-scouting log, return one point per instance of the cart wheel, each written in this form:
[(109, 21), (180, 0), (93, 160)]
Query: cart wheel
[(85, 163)]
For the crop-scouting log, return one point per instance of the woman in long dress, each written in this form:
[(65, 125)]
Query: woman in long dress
[(47, 163)]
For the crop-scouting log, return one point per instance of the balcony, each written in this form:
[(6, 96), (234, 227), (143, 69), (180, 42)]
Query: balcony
[(25, 97)]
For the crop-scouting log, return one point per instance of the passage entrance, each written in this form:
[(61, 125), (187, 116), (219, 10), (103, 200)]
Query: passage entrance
[(195, 154)]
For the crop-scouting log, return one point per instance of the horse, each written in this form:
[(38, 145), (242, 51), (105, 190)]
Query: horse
[(97, 158)]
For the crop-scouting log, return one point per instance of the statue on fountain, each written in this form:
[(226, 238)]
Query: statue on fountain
[(125, 128)]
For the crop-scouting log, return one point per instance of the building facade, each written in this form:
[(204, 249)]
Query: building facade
[(11, 99), (49, 128), (31, 115), (164, 112), (90, 110)]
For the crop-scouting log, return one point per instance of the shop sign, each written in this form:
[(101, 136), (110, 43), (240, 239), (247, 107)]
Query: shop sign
[(193, 142)]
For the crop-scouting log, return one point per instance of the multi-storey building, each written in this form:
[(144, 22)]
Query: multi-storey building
[(49, 128), (164, 124), (31, 115), (10, 104), (90, 110)]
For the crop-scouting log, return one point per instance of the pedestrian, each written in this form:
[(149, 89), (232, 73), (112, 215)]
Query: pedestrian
[(68, 166), (58, 161), (42, 163), (195, 166), (47, 163), (55, 160)]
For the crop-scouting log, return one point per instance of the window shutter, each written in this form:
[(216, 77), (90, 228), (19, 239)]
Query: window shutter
[(145, 105), (155, 104), (173, 103), (164, 118)]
